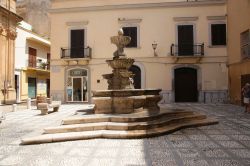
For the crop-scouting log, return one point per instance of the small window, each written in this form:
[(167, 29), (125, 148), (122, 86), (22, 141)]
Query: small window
[(245, 44), (132, 32), (218, 34)]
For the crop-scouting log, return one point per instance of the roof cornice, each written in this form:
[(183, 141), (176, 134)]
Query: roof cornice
[(18, 18), (140, 5)]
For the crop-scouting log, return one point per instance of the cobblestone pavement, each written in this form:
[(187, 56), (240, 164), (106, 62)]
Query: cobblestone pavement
[(225, 144)]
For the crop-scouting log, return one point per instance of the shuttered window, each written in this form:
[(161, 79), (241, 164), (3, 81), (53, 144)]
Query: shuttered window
[(245, 44), (132, 32), (218, 34)]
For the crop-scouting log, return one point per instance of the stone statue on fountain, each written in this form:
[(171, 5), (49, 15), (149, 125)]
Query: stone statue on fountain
[(120, 41), (120, 77)]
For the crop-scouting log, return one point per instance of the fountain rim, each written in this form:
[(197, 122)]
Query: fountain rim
[(125, 92)]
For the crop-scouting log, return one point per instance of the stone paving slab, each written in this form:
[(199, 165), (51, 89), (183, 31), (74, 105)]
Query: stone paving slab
[(227, 143)]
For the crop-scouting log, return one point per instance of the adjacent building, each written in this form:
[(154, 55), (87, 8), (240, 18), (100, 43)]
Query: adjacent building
[(32, 62), (35, 12), (238, 47), (178, 46), (8, 23)]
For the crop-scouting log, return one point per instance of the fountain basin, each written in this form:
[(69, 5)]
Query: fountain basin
[(125, 101), (121, 63), (125, 92)]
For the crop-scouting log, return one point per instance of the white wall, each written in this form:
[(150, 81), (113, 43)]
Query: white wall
[(26, 39)]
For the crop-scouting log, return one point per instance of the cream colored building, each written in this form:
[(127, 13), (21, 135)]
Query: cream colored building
[(32, 59), (189, 63), (8, 23), (238, 47)]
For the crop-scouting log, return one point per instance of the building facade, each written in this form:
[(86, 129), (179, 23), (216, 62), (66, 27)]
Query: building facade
[(8, 23), (32, 75), (238, 47), (189, 62)]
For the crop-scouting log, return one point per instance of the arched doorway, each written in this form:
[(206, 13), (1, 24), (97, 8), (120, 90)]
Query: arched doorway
[(185, 83), (77, 85), (137, 78)]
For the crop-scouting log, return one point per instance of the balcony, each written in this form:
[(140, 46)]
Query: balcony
[(191, 51), (39, 65), (76, 53), (187, 50)]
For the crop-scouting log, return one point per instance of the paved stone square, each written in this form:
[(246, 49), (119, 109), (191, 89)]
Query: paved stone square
[(225, 144)]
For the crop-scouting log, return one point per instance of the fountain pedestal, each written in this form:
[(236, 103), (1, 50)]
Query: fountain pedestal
[(121, 98)]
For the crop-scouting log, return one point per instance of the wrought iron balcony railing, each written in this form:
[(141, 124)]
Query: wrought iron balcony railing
[(187, 50), (68, 53)]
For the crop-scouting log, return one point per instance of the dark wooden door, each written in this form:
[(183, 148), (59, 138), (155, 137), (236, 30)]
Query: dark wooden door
[(32, 57), (77, 43), (48, 61), (137, 78), (185, 40), (48, 87), (186, 85)]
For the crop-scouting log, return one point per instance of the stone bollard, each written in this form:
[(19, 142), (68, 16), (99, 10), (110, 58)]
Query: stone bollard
[(14, 108), (29, 103)]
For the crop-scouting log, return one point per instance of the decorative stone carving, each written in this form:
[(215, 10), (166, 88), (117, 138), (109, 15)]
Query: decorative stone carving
[(11, 34), (120, 78), (120, 41)]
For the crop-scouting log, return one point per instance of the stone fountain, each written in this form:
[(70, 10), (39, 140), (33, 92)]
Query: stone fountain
[(121, 97), (122, 112)]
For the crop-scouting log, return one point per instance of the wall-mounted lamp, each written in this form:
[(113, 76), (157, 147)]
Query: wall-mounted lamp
[(154, 45)]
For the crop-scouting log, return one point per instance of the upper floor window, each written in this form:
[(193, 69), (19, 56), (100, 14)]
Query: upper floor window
[(245, 44), (32, 61), (133, 33), (218, 34)]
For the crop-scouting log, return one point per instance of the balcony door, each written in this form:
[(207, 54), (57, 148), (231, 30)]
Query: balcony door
[(77, 43), (185, 40), (32, 57)]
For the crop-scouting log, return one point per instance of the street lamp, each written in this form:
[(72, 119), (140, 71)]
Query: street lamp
[(154, 45)]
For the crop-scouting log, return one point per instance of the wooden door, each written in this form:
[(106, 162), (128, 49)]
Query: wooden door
[(48, 61), (77, 89), (77, 43), (185, 40), (48, 87), (186, 85), (32, 57)]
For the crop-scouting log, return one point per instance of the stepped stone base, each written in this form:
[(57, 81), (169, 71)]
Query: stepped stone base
[(146, 123)]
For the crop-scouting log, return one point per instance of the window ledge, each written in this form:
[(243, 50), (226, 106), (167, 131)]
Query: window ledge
[(243, 59), (219, 46), (139, 47)]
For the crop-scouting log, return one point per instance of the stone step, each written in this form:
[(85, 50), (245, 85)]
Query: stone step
[(161, 121), (142, 116), (116, 134)]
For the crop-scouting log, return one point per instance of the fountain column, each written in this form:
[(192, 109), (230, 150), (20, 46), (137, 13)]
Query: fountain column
[(120, 96)]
